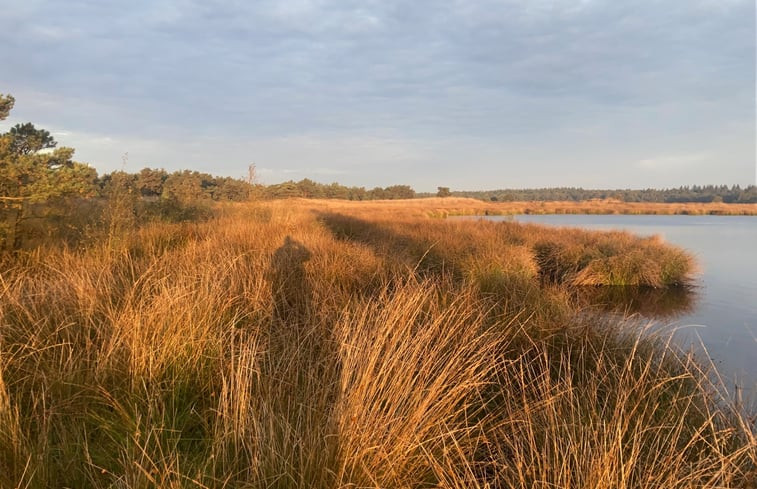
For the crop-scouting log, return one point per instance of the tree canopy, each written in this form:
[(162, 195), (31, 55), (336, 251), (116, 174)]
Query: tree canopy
[(28, 139), (32, 171), (6, 104), (695, 193), (29, 174)]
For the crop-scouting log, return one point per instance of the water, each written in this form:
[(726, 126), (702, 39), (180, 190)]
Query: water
[(723, 313)]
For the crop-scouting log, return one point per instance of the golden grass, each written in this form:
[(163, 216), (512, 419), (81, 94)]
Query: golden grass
[(510, 250), (611, 206), (317, 345), (459, 206)]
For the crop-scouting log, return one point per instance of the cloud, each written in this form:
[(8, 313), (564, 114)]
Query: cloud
[(536, 77)]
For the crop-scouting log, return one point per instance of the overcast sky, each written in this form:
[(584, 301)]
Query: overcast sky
[(467, 94)]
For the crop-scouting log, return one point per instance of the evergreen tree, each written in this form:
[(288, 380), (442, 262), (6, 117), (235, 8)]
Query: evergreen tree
[(6, 104), (29, 175)]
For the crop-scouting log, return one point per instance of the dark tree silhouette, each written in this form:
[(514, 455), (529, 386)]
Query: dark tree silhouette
[(27, 139), (6, 104)]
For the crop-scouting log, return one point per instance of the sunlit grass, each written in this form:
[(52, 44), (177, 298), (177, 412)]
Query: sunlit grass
[(274, 346)]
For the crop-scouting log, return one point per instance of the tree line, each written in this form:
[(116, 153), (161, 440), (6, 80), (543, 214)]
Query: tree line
[(735, 194), (309, 189)]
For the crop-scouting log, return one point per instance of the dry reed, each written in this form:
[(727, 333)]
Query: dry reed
[(273, 346)]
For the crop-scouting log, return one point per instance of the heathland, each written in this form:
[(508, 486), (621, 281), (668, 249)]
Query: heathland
[(307, 343)]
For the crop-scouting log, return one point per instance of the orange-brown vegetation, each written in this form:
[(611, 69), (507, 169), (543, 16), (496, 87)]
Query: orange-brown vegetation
[(329, 344), (452, 206)]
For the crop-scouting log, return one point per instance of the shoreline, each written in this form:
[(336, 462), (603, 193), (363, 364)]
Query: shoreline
[(458, 206)]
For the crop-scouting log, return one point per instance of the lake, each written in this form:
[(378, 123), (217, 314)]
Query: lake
[(723, 311)]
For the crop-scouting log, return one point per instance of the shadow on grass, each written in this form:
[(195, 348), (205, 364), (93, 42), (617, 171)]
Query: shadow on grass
[(417, 256), (303, 371), (289, 285)]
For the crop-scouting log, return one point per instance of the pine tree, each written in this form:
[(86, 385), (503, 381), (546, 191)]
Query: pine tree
[(31, 174)]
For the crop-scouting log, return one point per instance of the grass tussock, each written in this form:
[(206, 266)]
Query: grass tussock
[(580, 258), (279, 346)]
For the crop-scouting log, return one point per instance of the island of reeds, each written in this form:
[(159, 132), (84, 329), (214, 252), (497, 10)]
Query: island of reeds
[(326, 344)]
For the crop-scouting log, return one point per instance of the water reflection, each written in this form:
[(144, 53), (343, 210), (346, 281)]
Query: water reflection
[(724, 315), (664, 303)]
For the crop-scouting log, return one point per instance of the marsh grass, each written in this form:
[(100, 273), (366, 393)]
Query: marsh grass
[(459, 206), (483, 249), (273, 346), (584, 258)]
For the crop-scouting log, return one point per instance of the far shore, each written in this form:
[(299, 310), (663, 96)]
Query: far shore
[(456, 206)]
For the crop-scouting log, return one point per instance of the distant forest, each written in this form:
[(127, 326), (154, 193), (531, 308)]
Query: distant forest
[(696, 193), (188, 186), (191, 185), (307, 188)]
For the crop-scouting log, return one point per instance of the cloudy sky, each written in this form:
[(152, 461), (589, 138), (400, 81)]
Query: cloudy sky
[(470, 94)]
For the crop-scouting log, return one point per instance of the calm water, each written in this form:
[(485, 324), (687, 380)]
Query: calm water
[(723, 313)]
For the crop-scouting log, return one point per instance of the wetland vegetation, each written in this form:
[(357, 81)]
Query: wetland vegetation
[(331, 344)]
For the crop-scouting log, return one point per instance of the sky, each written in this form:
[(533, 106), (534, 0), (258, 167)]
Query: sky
[(468, 94)]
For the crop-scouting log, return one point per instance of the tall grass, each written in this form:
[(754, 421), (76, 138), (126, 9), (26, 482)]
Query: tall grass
[(276, 347), (571, 256)]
